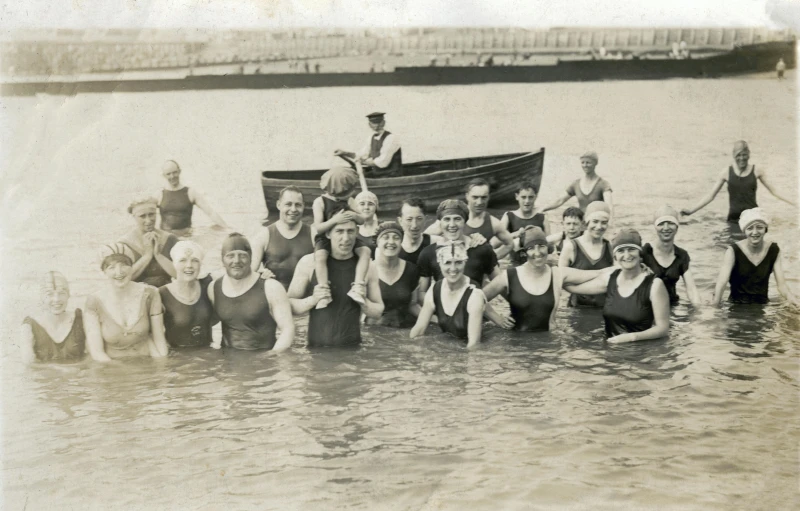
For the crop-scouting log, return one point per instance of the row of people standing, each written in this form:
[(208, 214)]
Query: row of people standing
[(149, 251)]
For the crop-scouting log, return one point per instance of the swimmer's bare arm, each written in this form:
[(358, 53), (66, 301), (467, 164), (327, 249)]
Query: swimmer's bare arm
[(721, 179), (424, 284), (558, 283), (434, 230), (425, 315), (762, 176), (373, 305), (94, 337), (259, 244), (724, 276), (609, 199), (161, 259), (281, 312), (502, 234), (783, 288), (555, 237), (596, 286), (147, 255), (413, 304), (298, 301), (575, 276), (567, 255), (659, 298), (498, 285), (553, 205), (691, 288), (202, 203), (157, 343), (26, 344), (475, 309)]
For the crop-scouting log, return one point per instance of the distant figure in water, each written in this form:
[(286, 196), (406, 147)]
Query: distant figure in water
[(748, 264), (780, 68), (56, 333), (742, 179), (307, 68), (316, 67), (177, 201)]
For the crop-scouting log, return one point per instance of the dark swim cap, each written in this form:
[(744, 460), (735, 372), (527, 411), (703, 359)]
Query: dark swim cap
[(236, 241), (452, 207)]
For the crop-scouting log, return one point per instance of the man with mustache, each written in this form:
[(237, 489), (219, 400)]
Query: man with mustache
[(338, 324), (280, 246), (255, 313)]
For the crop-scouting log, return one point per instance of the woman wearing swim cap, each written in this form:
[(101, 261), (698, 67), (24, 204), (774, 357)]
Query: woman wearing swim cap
[(748, 264), (56, 333), (590, 188), (147, 246), (367, 203), (636, 302), (398, 279), (125, 318), (742, 179), (188, 311), (667, 261), (457, 303), (589, 251)]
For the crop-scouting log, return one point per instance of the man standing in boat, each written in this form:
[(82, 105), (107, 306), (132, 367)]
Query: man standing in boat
[(382, 155)]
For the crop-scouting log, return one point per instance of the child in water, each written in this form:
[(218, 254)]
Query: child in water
[(332, 207), (515, 222)]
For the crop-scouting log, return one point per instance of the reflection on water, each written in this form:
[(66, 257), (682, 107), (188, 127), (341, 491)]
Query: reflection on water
[(702, 420)]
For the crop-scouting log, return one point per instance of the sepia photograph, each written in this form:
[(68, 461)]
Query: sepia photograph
[(415, 255)]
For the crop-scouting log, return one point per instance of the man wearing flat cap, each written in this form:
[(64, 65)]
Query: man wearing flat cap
[(381, 156)]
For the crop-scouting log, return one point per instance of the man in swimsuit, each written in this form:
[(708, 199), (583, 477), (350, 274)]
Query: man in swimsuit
[(255, 313), (382, 155), (480, 221), (280, 246), (338, 324), (177, 201), (742, 179)]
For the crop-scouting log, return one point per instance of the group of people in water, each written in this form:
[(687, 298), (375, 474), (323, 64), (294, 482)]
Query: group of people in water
[(347, 269)]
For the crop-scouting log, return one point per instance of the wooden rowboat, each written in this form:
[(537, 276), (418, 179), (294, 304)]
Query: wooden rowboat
[(432, 181)]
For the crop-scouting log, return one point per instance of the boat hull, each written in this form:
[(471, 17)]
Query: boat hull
[(431, 181)]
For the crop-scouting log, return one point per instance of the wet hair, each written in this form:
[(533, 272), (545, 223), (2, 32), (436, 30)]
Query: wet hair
[(478, 181), (290, 188), (527, 185), (573, 212), (414, 202)]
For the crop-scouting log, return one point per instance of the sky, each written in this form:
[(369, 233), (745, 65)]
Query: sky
[(403, 13)]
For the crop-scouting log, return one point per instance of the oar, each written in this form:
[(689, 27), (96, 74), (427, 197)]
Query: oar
[(361, 177)]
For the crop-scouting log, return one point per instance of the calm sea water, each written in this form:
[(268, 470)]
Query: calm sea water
[(704, 420)]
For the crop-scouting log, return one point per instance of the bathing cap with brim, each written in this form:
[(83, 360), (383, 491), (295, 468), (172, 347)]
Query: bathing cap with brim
[(532, 236), (386, 227), (627, 238), (452, 207), (665, 214), (749, 216), (236, 241), (597, 209)]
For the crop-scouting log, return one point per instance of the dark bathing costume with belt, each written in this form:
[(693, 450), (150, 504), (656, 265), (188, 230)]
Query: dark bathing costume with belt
[(396, 298), (413, 257), (153, 273), (516, 223), (485, 229), (671, 274), (282, 254), (47, 350), (584, 262), (176, 209), (456, 324), (531, 312), (338, 324), (628, 314), (750, 283), (188, 325), (246, 320), (741, 193)]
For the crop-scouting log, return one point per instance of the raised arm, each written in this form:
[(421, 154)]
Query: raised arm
[(709, 196), (659, 298), (783, 288), (425, 315), (556, 203), (203, 204), (281, 311), (765, 181), (724, 276)]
